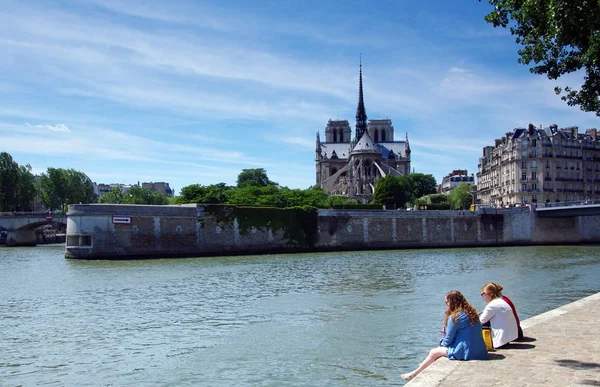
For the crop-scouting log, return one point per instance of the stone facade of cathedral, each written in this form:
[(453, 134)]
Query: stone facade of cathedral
[(352, 166)]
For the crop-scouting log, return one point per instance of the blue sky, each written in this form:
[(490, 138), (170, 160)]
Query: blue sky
[(193, 92)]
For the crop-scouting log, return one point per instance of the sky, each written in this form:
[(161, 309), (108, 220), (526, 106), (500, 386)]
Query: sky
[(193, 92)]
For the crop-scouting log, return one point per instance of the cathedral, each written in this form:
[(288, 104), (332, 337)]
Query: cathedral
[(351, 166)]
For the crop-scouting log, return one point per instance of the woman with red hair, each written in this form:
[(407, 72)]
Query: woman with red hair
[(462, 339)]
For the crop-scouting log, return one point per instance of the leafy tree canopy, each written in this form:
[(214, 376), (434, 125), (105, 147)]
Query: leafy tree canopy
[(253, 178), (136, 195), (559, 37), (60, 187), (461, 197), (421, 185), (196, 193), (17, 185), (390, 192)]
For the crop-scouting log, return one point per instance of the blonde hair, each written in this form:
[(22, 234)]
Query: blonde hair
[(492, 289), (457, 303)]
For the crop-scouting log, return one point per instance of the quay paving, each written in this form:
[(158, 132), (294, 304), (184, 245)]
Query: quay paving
[(561, 348)]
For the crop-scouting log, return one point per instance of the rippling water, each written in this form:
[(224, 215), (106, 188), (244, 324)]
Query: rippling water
[(335, 319)]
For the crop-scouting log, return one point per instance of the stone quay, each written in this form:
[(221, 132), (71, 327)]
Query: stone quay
[(105, 231)]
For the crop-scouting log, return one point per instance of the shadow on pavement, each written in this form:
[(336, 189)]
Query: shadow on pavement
[(526, 340), (495, 356), (576, 364), (589, 382), (517, 346)]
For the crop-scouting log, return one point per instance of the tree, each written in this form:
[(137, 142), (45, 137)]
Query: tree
[(60, 187), (460, 198), (114, 196), (253, 178), (17, 185), (389, 192), (421, 185), (196, 193), (136, 195), (560, 37), (139, 195)]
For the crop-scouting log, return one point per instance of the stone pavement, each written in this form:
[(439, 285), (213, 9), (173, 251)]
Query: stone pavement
[(561, 348)]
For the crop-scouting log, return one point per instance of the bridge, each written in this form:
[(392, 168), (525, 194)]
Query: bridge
[(550, 210), (19, 228), (568, 209)]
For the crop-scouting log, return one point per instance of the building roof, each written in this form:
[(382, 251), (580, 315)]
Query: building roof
[(366, 145)]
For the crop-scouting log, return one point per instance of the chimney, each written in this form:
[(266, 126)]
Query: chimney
[(592, 132)]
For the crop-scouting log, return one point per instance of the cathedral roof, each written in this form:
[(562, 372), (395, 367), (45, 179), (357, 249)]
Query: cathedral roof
[(366, 145)]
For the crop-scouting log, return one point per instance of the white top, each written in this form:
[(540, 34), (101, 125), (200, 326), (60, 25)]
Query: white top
[(502, 320)]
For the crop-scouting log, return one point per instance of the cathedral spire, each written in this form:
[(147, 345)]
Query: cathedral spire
[(361, 114)]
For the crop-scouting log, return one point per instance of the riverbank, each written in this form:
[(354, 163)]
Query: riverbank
[(562, 348)]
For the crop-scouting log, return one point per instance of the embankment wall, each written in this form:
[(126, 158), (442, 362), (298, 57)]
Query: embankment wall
[(133, 231)]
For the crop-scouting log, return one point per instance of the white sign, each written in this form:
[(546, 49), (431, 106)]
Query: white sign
[(121, 219)]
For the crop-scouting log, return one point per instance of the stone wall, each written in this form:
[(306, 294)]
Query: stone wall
[(203, 230)]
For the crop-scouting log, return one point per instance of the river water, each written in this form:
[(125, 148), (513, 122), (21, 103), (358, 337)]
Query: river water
[(326, 319)]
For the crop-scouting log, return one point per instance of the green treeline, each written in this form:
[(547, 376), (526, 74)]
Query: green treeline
[(58, 187)]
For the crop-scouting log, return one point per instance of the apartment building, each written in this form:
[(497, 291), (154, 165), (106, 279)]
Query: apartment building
[(453, 179), (540, 165), (161, 187)]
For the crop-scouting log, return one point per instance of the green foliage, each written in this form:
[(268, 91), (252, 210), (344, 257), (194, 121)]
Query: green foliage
[(299, 224), (434, 206), (253, 178), (437, 198), (461, 198), (421, 185), (560, 37), (60, 187), (115, 196), (17, 185), (433, 202), (269, 196), (389, 192), (196, 193), (358, 206), (137, 195)]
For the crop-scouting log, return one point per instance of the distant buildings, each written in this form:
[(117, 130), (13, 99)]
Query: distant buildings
[(453, 179), (162, 187), (352, 167), (540, 165)]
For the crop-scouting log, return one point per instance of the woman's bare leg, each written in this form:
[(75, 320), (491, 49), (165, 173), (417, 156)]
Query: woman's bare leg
[(433, 355)]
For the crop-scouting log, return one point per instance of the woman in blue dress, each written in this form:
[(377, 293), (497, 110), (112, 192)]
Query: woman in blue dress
[(462, 339)]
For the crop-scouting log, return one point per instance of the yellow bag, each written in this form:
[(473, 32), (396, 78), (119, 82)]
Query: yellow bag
[(487, 338)]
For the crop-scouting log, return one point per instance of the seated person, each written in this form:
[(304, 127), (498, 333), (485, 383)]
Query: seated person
[(500, 314), (462, 339)]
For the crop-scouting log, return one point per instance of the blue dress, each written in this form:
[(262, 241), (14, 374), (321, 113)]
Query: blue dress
[(463, 340)]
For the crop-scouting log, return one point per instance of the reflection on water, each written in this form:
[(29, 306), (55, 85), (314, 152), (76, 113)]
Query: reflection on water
[(352, 318)]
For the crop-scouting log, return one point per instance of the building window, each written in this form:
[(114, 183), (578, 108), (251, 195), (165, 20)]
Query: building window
[(523, 164), (533, 164), (533, 176)]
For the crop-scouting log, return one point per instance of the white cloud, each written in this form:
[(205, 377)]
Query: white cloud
[(55, 128)]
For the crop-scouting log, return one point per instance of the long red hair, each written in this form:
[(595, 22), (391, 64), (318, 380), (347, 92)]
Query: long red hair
[(457, 303)]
